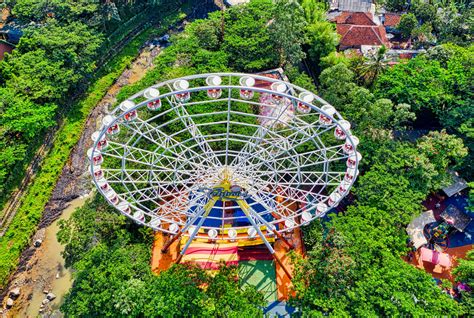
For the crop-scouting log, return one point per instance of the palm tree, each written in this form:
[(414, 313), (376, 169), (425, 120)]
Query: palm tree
[(373, 65)]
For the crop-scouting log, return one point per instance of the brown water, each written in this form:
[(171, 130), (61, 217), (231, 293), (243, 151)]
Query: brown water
[(49, 272)]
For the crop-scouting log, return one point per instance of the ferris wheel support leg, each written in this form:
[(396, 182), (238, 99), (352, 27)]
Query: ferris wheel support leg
[(284, 240), (270, 226), (282, 266), (171, 241), (247, 211), (205, 211)]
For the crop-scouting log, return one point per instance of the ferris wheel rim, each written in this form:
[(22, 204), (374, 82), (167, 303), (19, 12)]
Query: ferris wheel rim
[(119, 116)]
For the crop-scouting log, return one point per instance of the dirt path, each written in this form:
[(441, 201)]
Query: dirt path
[(73, 183)]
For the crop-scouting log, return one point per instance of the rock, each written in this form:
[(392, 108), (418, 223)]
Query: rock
[(45, 301), (9, 303), (15, 292), (45, 291), (50, 296), (38, 243)]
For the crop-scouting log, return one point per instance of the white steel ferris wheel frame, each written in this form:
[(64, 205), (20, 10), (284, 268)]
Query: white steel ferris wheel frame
[(171, 188)]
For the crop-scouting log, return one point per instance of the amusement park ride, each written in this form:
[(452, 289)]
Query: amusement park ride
[(224, 157)]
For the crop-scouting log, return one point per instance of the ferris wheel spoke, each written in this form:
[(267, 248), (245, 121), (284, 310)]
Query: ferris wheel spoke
[(195, 132), (259, 137), (293, 141), (165, 143), (271, 204)]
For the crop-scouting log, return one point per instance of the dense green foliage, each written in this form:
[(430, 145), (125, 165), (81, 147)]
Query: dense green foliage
[(438, 82), (354, 260), (50, 67), (435, 22), (110, 257)]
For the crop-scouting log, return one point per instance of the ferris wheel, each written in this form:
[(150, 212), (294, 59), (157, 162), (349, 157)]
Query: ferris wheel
[(224, 156)]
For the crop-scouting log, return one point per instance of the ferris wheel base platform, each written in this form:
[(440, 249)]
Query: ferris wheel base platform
[(210, 256)]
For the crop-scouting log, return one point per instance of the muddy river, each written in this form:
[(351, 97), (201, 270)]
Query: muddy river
[(51, 264)]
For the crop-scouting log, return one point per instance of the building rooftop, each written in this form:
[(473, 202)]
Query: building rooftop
[(358, 35), (356, 18), (391, 19)]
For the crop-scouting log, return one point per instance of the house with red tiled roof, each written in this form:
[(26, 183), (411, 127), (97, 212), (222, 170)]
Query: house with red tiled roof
[(390, 20), (357, 18), (360, 31)]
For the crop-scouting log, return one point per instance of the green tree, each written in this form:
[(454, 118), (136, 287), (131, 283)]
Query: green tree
[(246, 38), (407, 24), (287, 31), (75, 46), (112, 276), (34, 75), (464, 273), (395, 5), (373, 65), (321, 37), (424, 11)]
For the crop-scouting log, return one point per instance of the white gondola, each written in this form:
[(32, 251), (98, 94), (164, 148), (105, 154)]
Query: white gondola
[(290, 223), (306, 217), (130, 113), (113, 129), (155, 223), (152, 95), (212, 233), (232, 234), (112, 196), (182, 85), (174, 228), (353, 159), (139, 216), (214, 80), (343, 187), (351, 173), (278, 87), (329, 110), (333, 199), (306, 97), (103, 185), (191, 230), (102, 143), (95, 157), (124, 206), (339, 132), (321, 209), (97, 172), (246, 81), (348, 148)]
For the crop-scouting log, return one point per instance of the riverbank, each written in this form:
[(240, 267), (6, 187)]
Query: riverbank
[(45, 273)]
